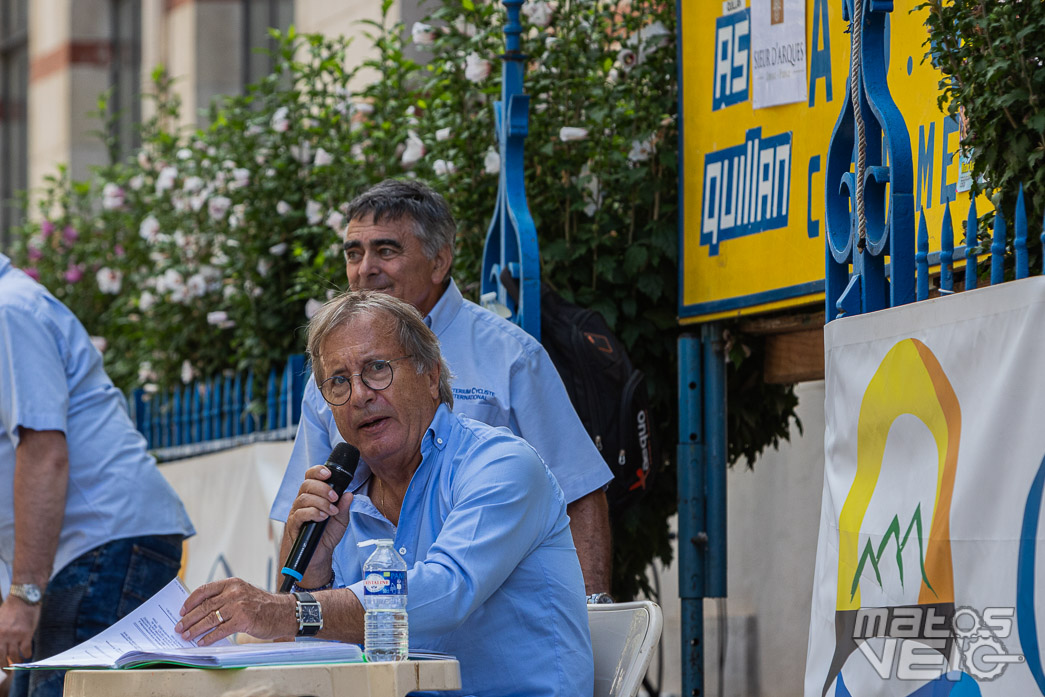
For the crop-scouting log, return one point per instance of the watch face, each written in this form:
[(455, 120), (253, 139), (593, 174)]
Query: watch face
[(310, 614), (28, 592)]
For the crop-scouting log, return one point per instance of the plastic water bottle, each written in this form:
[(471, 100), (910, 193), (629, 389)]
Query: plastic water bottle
[(385, 629)]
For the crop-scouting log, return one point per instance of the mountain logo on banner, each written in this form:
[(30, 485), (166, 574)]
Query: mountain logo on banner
[(908, 382)]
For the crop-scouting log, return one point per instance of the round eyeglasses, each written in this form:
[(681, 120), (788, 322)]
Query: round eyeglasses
[(377, 375)]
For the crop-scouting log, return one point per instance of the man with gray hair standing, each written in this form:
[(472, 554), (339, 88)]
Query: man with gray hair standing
[(492, 574), (400, 241)]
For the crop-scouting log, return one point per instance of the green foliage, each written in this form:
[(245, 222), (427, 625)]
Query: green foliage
[(205, 251), (990, 55)]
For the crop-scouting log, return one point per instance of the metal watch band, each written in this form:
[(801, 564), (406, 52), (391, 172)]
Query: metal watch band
[(599, 599), (29, 593), (309, 614)]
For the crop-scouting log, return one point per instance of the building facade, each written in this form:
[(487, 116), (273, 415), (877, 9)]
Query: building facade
[(57, 57)]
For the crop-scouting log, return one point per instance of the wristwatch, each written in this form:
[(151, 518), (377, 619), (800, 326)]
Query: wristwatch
[(29, 593), (599, 598), (308, 614)]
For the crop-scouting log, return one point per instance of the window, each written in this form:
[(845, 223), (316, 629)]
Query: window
[(258, 17), (125, 77), (14, 92)]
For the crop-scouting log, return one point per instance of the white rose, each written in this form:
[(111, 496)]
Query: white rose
[(109, 280), (492, 162), (443, 167), (640, 150), (312, 307), (539, 13), (192, 184), (414, 151), (335, 220), (166, 178), (218, 206), (279, 122), (283, 208), (314, 212), (443, 134), (322, 158), (476, 69), (278, 250), (187, 372), (422, 34), (569, 133), (149, 229)]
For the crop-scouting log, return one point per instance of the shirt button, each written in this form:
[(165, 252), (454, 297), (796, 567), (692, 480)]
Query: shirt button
[(402, 550), (439, 441)]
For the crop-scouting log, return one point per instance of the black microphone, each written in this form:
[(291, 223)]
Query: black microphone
[(342, 465)]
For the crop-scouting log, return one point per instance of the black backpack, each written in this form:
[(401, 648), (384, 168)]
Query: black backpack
[(608, 393)]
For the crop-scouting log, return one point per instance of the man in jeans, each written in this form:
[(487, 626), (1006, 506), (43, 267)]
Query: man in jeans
[(89, 528)]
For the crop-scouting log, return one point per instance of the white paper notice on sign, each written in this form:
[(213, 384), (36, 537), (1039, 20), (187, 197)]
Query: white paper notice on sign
[(778, 52)]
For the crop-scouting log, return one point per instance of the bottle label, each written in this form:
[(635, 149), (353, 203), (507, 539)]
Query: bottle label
[(385, 583)]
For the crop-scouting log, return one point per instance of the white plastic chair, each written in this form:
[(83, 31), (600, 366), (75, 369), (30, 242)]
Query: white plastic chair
[(622, 639)]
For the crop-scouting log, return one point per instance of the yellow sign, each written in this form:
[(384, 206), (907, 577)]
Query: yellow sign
[(752, 237)]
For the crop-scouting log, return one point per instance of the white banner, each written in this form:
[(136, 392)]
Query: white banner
[(778, 52), (929, 553), (228, 495)]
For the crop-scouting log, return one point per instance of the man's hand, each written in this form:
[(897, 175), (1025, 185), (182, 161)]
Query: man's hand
[(316, 501), (17, 624), (233, 605)]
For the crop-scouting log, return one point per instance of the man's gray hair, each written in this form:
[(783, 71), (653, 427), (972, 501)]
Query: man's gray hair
[(396, 199), (414, 336)]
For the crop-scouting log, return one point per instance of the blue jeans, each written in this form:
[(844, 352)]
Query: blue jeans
[(90, 594)]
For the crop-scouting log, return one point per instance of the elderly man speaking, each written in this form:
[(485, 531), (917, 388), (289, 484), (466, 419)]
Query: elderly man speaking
[(493, 575), (400, 240)]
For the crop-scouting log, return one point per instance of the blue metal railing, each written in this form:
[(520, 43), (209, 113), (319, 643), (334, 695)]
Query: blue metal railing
[(970, 253), (220, 412)]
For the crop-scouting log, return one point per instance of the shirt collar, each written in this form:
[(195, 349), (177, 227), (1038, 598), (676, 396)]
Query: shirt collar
[(5, 263), (438, 432), (445, 310)]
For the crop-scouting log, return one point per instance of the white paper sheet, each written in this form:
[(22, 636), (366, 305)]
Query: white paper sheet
[(148, 628)]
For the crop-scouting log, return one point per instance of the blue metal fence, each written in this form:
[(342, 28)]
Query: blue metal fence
[(221, 412)]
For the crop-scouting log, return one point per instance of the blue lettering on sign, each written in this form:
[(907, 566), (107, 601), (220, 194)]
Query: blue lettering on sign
[(732, 47), (820, 58), (746, 188)]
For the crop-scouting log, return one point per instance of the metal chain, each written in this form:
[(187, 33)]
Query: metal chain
[(861, 140)]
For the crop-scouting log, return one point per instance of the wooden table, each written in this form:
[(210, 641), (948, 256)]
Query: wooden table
[(393, 679)]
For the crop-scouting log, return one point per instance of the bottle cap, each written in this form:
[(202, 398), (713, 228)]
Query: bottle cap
[(370, 543)]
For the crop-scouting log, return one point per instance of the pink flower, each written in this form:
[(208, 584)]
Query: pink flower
[(32, 273), (33, 253), (70, 234), (112, 196), (46, 229), (118, 250), (73, 274)]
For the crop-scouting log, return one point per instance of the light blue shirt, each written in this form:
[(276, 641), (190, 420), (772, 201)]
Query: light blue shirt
[(502, 376), (493, 576), (52, 379)]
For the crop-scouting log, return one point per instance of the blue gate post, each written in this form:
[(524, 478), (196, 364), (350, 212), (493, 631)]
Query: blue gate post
[(701, 457), (863, 230), (511, 240)]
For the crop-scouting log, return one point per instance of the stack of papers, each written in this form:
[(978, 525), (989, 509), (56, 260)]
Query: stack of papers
[(147, 636)]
